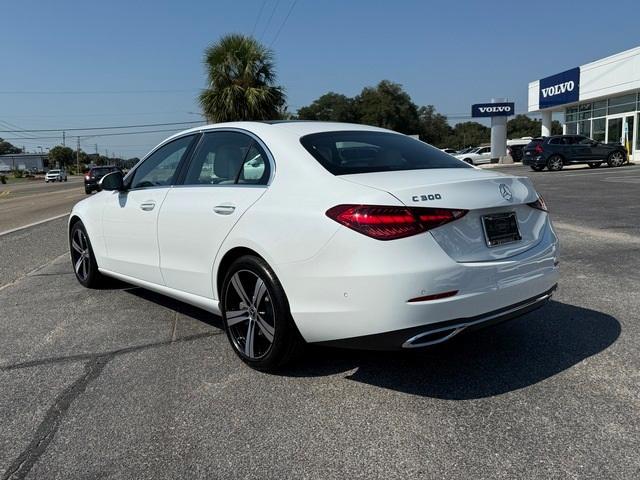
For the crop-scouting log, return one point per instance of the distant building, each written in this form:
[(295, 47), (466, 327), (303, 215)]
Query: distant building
[(24, 161)]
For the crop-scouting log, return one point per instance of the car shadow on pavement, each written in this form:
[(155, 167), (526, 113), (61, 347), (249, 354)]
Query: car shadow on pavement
[(483, 363), (167, 302)]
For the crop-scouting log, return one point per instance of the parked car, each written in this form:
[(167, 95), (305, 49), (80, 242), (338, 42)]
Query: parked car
[(476, 156), (401, 249), (93, 176), (56, 175), (450, 151), (556, 151), (515, 147)]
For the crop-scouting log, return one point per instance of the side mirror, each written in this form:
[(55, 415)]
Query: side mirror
[(112, 181)]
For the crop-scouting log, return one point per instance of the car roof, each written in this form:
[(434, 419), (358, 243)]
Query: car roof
[(298, 128)]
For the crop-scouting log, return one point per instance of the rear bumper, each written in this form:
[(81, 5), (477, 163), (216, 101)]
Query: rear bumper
[(536, 161), (358, 287), (432, 334)]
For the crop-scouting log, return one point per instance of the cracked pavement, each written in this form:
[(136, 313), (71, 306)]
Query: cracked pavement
[(124, 383)]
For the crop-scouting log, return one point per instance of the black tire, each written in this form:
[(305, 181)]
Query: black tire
[(616, 159), (537, 168), (554, 163), (594, 164), (275, 340), (88, 191), (85, 269), (469, 161)]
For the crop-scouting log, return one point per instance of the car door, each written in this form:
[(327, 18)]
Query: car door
[(228, 172), (581, 149), (129, 218), (484, 155)]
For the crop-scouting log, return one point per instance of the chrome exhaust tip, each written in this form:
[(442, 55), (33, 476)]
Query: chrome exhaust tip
[(433, 337)]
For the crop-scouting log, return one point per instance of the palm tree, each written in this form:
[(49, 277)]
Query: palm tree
[(241, 76)]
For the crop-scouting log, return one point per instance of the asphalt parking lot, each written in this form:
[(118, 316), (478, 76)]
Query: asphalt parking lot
[(124, 383)]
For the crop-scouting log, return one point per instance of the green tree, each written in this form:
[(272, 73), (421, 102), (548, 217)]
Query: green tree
[(8, 148), (434, 127), (387, 105), (241, 77), (62, 156), (467, 134), (332, 107), (523, 126)]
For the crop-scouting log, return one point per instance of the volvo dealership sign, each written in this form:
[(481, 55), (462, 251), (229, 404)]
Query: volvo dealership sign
[(560, 89), (492, 109)]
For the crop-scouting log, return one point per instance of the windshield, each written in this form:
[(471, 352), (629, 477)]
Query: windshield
[(102, 171), (347, 152), (54, 171)]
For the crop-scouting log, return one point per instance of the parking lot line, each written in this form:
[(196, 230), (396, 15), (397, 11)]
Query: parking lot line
[(17, 229), (624, 172)]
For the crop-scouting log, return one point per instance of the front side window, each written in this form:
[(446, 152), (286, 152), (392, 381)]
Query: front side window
[(160, 168), (225, 158), (349, 152)]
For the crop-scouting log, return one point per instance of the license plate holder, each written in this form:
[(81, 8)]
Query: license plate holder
[(501, 228)]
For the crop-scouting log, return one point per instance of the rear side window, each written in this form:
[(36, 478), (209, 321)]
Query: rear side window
[(347, 152), (225, 158)]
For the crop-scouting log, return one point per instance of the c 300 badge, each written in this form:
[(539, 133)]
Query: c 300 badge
[(426, 198)]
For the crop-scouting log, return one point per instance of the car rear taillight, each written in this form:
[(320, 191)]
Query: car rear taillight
[(389, 222), (540, 204), (538, 148), (86, 177)]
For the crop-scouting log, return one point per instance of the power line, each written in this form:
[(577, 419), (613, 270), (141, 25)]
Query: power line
[(293, 4), (270, 17), (11, 125), (101, 128), (258, 17), (92, 92), (98, 135)]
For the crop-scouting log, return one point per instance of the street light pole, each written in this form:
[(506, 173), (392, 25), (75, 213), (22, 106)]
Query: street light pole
[(78, 158)]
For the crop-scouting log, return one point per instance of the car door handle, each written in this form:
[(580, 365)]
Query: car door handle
[(148, 205), (224, 209)]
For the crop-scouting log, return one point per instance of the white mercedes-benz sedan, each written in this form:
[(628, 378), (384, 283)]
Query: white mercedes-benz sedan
[(316, 232)]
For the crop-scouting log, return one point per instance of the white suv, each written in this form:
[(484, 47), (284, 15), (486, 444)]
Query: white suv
[(57, 175)]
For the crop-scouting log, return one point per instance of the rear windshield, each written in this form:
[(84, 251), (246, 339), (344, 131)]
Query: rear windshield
[(346, 152), (103, 170)]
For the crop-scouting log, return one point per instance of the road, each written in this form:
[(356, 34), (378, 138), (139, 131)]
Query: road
[(124, 383), (33, 201)]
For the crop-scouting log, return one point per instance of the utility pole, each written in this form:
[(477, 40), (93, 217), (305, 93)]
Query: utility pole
[(63, 139), (78, 158)]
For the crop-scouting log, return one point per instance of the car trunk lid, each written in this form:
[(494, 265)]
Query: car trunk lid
[(482, 193)]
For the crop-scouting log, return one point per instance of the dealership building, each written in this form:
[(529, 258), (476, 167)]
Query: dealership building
[(600, 100)]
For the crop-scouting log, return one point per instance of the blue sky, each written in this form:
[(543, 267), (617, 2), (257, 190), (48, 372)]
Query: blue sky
[(140, 62)]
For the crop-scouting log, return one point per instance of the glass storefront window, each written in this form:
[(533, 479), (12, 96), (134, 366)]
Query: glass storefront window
[(572, 128), (584, 128), (599, 129), (623, 103), (571, 114), (584, 111)]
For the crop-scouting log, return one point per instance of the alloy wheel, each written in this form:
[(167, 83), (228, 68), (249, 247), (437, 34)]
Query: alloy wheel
[(81, 254), (249, 314), (616, 159), (555, 163)]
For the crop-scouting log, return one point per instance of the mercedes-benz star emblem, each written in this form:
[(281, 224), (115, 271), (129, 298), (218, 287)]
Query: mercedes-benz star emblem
[(506, 192)]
